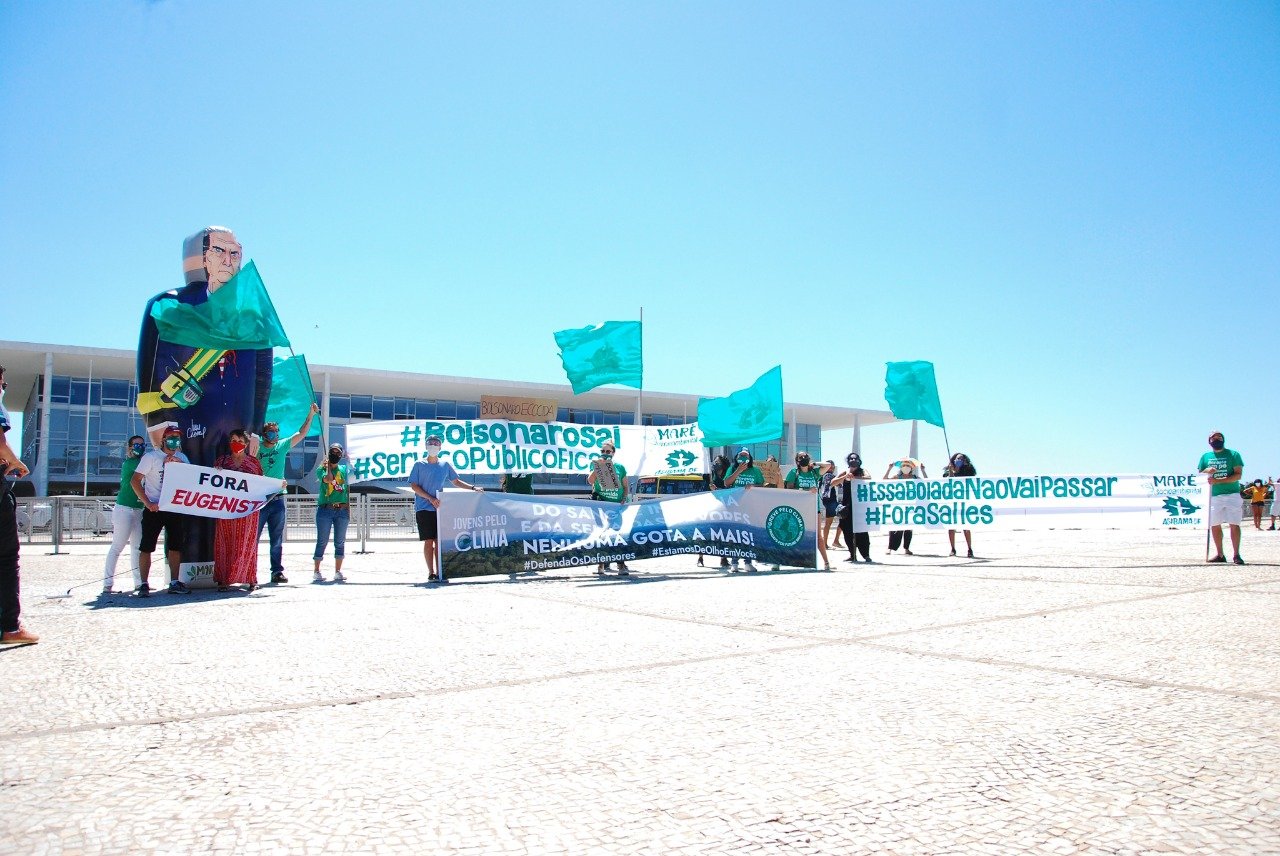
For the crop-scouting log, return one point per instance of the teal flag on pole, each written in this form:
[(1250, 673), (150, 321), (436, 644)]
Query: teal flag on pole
[(912, 392), (608, 353), (751, 415), (238, 315), (291, 396)]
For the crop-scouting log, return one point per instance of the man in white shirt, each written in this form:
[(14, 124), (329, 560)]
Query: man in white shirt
[(148, 480)]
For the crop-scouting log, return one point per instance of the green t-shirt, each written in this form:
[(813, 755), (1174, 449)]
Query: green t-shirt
[(612, 495), (1224, 464), (750, 476), (333, 494), (127, 497), (273, 459), (798, 478), (522, 483)]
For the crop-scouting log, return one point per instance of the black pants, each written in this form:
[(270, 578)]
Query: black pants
[(10, 608), (861, 541), (900, 537)]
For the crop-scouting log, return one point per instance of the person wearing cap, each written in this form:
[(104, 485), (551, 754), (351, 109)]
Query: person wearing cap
[(147, 482), (857, 542), (744, 473), (807, 477), (959, 467), (1223, 467), (427, 479), (273, 454), (333, 512), (609, 494)]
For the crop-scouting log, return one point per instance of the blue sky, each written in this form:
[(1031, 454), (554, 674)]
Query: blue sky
[(1070, 208)]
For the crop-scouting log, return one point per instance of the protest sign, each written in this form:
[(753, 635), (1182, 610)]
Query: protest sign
[(206, 492), (389, 449), (1032, 502), (491, 533)]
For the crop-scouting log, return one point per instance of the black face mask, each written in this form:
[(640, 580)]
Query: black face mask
[(1217, 445), (334, 457), (802, 461)]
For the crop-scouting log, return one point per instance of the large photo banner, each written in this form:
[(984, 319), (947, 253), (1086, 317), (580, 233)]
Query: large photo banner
[(498, 533), (389, 449), (1032, 502), (206, 492)]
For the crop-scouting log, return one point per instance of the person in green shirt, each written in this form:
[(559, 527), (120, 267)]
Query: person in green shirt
[(273, 454), (744, 473), (610, 494), (126, 517), (806, 476), (333, 512), (1223, 467)]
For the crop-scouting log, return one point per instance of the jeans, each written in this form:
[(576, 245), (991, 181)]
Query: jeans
[(126, 528), (10, 607), (272, 516), (328, 517)]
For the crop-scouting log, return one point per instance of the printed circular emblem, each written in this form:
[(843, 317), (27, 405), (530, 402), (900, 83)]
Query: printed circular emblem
[(785, 526)]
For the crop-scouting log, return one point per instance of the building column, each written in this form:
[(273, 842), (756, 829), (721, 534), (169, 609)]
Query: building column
[(791, 436), (857, 434), (42, 456)]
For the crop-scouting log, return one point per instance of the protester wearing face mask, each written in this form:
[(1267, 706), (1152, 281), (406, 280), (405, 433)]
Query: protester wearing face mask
[(126, 517), (610, 494), (333, 512), (1223, 467), (235, 542), (273, 453), (960, 467), (806, 476), (427, 479), (744, 473), (906, 469), (857, 542), (1256, 493), (147, 482)]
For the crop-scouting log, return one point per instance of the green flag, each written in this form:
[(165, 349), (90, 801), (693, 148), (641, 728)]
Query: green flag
[(751, 415), (238, 315), (291, 396), (608, 353), (912, 392)]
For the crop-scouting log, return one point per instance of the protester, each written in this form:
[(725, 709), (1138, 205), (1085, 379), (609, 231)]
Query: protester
[(521, 483), (906, 469), (147, 482), (830, 501), (11, 630), (427, 479), (1256, 493), (1275, 504), (857, 542), (610, 494), (1223, 467), (744, 474), (959, 467), (333, 512), (126, 517), (719, 469), (806, 477), (235, 541), (273, 454)]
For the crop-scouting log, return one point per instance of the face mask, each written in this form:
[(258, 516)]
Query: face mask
[(742, 459), (1216, 445), (137, 449), (271, 436), (334, 457), (607, 455), (906, 471), (802, 461), (433, 450), (238, 446), (173, 443)]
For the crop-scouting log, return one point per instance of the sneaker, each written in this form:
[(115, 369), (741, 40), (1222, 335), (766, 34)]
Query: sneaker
[(751, 568), (623, 570), (21, 636), (908, 552), (1218, 560), (108, 590), (970, 554), (144, 590), (775, 567), (178, 587), (1238, 560), (317, 577), (338, 577), (724, 563), (278, 577), (699, 561)]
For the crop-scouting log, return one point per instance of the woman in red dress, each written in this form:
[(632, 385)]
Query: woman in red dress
[(235, 542)]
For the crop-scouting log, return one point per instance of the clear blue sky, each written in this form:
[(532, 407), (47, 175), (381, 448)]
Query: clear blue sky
[(1070, 208)]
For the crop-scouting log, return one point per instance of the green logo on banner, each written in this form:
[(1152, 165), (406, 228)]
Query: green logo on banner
[(1176, 506), (785, 526), (680, 458)]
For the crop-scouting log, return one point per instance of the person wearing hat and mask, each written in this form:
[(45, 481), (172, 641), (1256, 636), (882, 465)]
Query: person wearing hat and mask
[(906, 469), (147, 482), (333, 512), (1256, 493), (609, 494), (857, 542), (744, 473), (273, 453), (1223, 467), (427, 479), (959, 467), (806, 476)]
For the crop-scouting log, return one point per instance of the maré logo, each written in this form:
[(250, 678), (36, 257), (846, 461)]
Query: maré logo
[(1177, 506), (680, 458)]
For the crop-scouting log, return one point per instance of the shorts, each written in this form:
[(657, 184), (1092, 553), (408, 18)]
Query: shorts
[(173, 524), (1226, 508), (830, 507), (428, 525)]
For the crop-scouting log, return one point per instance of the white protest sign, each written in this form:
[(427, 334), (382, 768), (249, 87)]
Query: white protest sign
[(206, 492)]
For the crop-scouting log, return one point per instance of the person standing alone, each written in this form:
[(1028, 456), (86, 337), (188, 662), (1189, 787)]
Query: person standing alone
[(1223, 467)]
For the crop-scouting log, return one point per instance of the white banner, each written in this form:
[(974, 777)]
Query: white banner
[(1032, 502), (206, 492), (389, 449)]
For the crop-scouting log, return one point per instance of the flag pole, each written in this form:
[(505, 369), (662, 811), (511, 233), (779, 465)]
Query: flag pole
[(946, 440), (640, 390)]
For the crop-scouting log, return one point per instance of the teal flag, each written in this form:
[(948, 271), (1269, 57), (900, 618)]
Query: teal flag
[(912, 392), (238, 315), (291, 396), (608, 353), (751, 415)]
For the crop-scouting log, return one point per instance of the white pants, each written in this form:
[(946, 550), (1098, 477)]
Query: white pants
[(126, 528)]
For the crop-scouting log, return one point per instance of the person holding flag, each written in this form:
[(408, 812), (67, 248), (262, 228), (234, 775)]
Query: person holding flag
[(273, 454)]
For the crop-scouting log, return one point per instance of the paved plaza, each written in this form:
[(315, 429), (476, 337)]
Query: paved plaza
[(1067, 692)]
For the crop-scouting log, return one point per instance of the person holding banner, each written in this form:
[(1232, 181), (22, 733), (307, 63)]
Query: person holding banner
[(126, 517), (806, 477), (959, 467), (857, 542), (147, 482), (744, 474), (333, 512), (235, 541), (427, 479), (906, 469), (605, 468), (273, 453), (1223, 467)]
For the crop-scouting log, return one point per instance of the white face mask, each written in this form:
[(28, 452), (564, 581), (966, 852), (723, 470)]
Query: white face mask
[(433, 450)]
